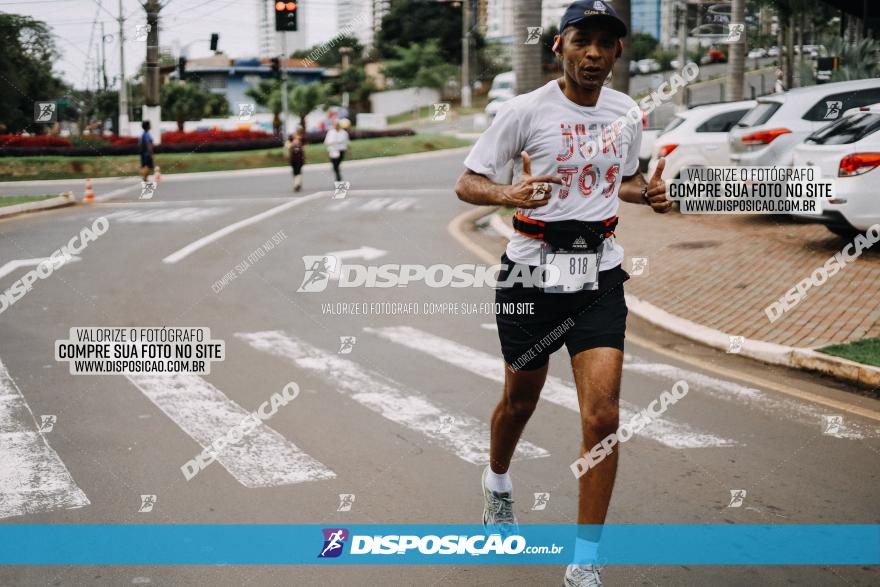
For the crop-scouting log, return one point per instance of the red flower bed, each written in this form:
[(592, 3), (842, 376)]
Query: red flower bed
[(32, 141), (211, 136)]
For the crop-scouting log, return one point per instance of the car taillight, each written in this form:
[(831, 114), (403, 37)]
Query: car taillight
[(857, 164), (666, 150), (763, 137)]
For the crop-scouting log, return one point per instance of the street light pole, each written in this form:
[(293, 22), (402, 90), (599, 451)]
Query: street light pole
[(152, 110), (123, 86), (283, 62), (465, 54)]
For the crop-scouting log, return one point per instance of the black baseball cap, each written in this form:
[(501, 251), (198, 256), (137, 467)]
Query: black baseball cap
[(595, 10)]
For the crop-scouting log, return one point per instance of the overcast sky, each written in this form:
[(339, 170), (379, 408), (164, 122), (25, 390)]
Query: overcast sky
[(181, 21)]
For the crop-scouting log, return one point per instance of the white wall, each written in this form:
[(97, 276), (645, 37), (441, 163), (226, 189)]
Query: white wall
[(397, 101)]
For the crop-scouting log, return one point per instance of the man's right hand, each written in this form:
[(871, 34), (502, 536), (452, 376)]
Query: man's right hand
[(526, 193)]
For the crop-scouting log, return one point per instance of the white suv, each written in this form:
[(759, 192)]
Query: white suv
[(697, 137), (768, 133), (848, 151)]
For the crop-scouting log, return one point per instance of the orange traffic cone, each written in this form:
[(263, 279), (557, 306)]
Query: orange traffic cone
[(158, 174), (90, 194)]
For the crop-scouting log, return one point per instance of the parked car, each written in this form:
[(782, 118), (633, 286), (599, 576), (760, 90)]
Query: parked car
[(767, 134), (503, 86), (757, 53), (494, 106), (648, 65), (697, 137), (848, 151), (714, 55), (773, 52)]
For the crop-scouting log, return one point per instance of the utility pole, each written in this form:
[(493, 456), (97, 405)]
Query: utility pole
[(345, 54), (123, 86), (103, 58), (152, 110), (466, 53), (681, 96), (283, 62), (736, 54)]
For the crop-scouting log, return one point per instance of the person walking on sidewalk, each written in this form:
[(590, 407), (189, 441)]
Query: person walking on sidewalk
[(145, 143), (570, 133), (296, 154), (337, 144)]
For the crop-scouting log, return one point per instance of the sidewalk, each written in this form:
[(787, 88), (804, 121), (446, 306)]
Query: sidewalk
[(719, 272), (722, 271)]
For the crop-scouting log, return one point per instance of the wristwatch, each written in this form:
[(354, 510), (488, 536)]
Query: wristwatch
[(645, 195)]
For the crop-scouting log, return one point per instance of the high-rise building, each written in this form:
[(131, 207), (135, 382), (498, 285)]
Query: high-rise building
[(645, 17), (499, 19)]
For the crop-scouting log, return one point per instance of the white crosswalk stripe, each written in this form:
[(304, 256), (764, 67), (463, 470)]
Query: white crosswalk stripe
[(464, 435), (665, 431), (803, 412), (374, 204), (148, 215), (33, 479), (262, 458)]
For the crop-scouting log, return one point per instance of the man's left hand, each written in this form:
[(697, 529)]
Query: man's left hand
[(656, 195)]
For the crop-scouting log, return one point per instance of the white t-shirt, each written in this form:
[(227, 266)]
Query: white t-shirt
[(336, 140), (556, 133)]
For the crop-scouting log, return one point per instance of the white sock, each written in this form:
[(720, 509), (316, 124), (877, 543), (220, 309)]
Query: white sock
[(586, 552), (498, 483)]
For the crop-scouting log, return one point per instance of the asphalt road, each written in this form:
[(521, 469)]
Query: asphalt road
[(117, 438)]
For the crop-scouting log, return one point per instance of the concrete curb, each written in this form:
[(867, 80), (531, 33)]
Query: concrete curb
[(774, 354), (65, 199)]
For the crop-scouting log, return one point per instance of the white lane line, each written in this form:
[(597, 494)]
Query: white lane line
[(802, 412), (263, 458), (667, 432), (489, 326), (33, 478), (464, 435), (218, 234)]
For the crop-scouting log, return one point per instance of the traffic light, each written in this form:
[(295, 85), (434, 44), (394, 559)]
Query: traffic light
[(276, 66), (215, 38), (181, 66), (285, 16)]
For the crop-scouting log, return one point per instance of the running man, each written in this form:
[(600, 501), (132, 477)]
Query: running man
[(296, 154), (146, 147), (570, 132)]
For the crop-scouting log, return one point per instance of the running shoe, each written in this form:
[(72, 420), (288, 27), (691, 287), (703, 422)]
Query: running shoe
[(583, 576), (498, 513)]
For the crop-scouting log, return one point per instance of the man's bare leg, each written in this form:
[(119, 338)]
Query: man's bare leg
[(597, 376), (521, 392)]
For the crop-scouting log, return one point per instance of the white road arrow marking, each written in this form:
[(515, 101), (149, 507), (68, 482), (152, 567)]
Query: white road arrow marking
[(18, 263), (365, 252)]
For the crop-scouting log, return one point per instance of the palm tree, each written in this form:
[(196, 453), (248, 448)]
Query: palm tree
[(304, 98), (736, 55), (263, 94), (184, 101), (526, 58)]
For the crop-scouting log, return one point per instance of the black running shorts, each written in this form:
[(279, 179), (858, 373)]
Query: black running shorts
[(581, 320)]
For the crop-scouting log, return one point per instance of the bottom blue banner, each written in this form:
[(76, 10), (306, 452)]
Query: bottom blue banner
[(256, 544)]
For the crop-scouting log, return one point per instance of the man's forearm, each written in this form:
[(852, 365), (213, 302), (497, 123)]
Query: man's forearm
[(480, 190), (631, 189)]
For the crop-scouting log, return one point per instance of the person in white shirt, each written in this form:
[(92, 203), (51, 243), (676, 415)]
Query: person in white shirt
[(581, 140), (337, 143)]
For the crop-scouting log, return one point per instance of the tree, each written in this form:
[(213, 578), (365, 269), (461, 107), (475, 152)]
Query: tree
[(331, 57), (268, 95), (419, 66), (184, 101), (643, 45), (304, 98), (415, 23), (353, 80), (526, 58), (620, 73), (25, 71)]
